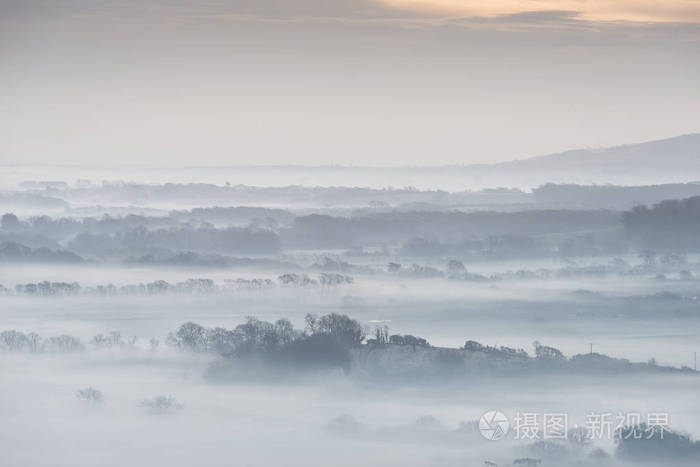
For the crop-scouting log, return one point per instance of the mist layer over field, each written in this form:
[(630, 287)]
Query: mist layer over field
[(570, 314), (317, 421)]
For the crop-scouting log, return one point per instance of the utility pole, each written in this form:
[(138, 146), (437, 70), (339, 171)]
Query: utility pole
[(591, 348)]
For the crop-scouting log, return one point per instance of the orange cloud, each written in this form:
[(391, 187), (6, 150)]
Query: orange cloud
[(594, 10)]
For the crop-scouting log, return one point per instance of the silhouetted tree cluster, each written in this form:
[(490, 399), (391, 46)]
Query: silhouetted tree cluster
[(112, 340), (48, 288), (610, 196), (90, 396), (672, 226), (325, 341), (655, 444), (338, 341), (547, 353), (512, 246), (190, 286), (493, 231), (15, 252), (408, 339), (161, 405), (15, 341), (501, 352)]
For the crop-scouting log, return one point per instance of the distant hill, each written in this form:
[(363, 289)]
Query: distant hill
[(678, 154), (610, 196), (671, 160)]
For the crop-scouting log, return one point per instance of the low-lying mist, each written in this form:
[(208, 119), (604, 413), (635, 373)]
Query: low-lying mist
[(174, 324)]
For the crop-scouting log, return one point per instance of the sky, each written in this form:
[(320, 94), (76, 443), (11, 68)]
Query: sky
[(346, 82)]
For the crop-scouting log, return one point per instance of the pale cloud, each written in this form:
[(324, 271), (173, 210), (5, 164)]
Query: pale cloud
[(592, 10), (425, 12)]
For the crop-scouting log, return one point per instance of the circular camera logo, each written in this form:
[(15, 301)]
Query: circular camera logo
[(494, 425)]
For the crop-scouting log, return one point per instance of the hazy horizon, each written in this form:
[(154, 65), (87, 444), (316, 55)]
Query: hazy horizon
[(111, 164)]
